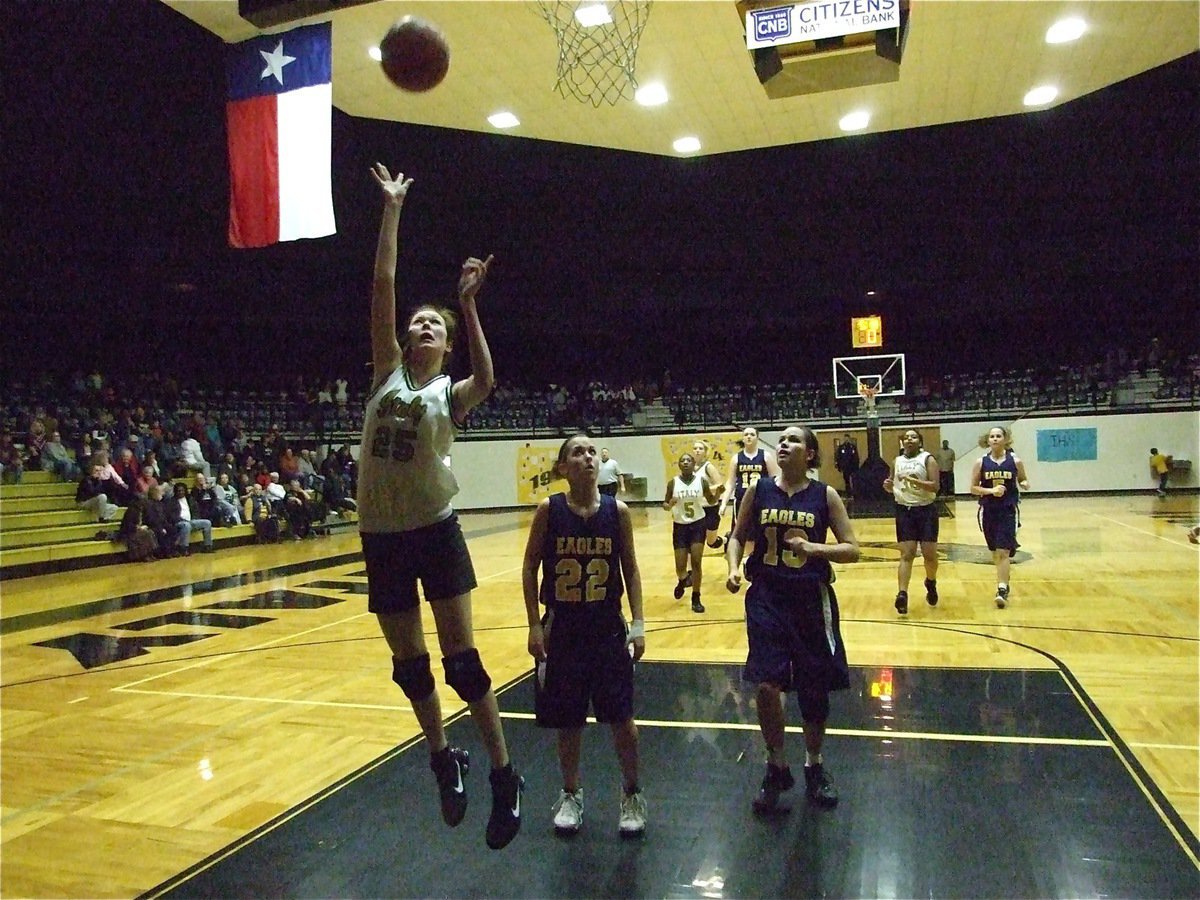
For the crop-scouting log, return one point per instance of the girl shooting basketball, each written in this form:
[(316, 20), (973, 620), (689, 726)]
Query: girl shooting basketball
[(408, 527)]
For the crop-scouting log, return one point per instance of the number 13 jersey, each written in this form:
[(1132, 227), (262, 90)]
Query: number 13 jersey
[(404, 481)]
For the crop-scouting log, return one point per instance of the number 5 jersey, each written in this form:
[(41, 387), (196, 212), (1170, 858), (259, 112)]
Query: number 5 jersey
[(404, 477)]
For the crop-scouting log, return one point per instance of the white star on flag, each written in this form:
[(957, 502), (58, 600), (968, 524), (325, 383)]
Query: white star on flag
[(275, 61)]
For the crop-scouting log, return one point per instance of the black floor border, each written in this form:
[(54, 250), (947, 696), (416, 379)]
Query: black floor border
[(1164, 806)]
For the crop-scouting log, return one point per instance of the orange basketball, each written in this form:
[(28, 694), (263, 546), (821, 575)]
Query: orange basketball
[(415, 55)]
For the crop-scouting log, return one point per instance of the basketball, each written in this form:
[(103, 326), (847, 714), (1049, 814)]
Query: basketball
[(415, 56)]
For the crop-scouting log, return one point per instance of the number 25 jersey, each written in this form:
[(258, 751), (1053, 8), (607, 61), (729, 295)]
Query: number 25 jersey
[(404, 481)]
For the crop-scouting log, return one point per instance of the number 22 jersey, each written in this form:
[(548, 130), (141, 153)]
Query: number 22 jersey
[(404, 481)]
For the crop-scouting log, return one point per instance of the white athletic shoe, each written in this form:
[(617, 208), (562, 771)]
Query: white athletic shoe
[(633, 814), (568, 812)]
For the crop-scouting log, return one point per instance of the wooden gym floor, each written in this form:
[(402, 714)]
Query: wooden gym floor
[(225, 725)]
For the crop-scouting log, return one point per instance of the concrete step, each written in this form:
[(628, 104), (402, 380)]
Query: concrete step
[(15, 505), (43, 518), (38, 489)]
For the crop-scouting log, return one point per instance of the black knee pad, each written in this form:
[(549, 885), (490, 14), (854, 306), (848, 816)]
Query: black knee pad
[(814, 706), (414, 676), (465, 673)]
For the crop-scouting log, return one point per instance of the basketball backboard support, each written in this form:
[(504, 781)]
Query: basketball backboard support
[(882, 371)]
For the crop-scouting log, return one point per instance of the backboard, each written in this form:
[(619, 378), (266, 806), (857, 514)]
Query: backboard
[(882, 371)]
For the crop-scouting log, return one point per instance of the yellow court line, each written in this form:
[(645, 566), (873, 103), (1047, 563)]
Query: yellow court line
[(859, 732)]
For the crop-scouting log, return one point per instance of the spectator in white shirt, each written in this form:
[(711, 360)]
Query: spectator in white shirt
[(192, 457)]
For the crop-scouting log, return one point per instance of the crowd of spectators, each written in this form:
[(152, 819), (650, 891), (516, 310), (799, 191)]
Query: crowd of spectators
[(242, 435), (146, 457)]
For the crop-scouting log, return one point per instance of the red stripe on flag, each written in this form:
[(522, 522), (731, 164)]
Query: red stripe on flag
[(253, 131)]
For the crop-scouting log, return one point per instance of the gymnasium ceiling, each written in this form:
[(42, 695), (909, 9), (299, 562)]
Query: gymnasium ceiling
[(964, 60)]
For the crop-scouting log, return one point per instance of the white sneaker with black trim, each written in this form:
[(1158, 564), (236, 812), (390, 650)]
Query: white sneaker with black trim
[(633, 814), (568, 812)]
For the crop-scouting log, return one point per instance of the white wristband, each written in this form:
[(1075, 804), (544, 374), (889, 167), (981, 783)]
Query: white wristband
[(637, 629)]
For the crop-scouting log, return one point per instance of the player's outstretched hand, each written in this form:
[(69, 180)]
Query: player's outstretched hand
[(394, 189), (474, 272)]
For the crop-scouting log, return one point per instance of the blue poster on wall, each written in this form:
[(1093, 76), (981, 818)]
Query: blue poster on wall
[(1066, 444)]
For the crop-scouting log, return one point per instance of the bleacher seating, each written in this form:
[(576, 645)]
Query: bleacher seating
[(41, 528)]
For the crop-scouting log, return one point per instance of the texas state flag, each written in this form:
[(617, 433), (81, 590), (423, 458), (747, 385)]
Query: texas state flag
[(278, 116)]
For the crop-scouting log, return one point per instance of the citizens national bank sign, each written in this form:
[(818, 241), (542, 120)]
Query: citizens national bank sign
[(818, 19)]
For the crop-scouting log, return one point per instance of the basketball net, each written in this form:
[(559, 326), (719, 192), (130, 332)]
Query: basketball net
[(868, 395), (596, 61)]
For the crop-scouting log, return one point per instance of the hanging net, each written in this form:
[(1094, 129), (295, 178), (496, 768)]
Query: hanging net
[(596, 61), (868, 395)]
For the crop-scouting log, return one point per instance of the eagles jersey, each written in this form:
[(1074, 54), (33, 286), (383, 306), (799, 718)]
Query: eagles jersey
[(749, 470), (992, 473), (776, 517), (581, 558), (404, 481)]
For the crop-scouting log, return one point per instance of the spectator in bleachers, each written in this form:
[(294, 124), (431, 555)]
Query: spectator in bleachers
[(161, 515), (91, 495), (12, 464), (257, 502), (56, 459), (274, 489), (115, 486), (191, 520), (35, 443), (126, 467), (145, 481), (211, 505), (308, 472), (228, 493), (289, 465), (228, 466), (299, 510), (333, 490), (169, 452), (192, 456)]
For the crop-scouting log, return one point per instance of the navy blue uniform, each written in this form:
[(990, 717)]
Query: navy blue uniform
[(585, 633), (792, 617), (749, 469), (998, 515)]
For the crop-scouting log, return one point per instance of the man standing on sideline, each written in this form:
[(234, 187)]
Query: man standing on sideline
[(611, 479), (845, 459), (945, 457)]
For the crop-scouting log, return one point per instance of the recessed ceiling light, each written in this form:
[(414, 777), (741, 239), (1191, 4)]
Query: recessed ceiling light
[(376, 54), (592, 14), (503, 120), (651, 94), (1040, 96), (1065, 30), (687, 145), (855, 121)]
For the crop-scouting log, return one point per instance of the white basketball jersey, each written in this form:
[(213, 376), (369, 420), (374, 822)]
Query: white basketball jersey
[(689, 506), (404, 481), (904, 492)]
